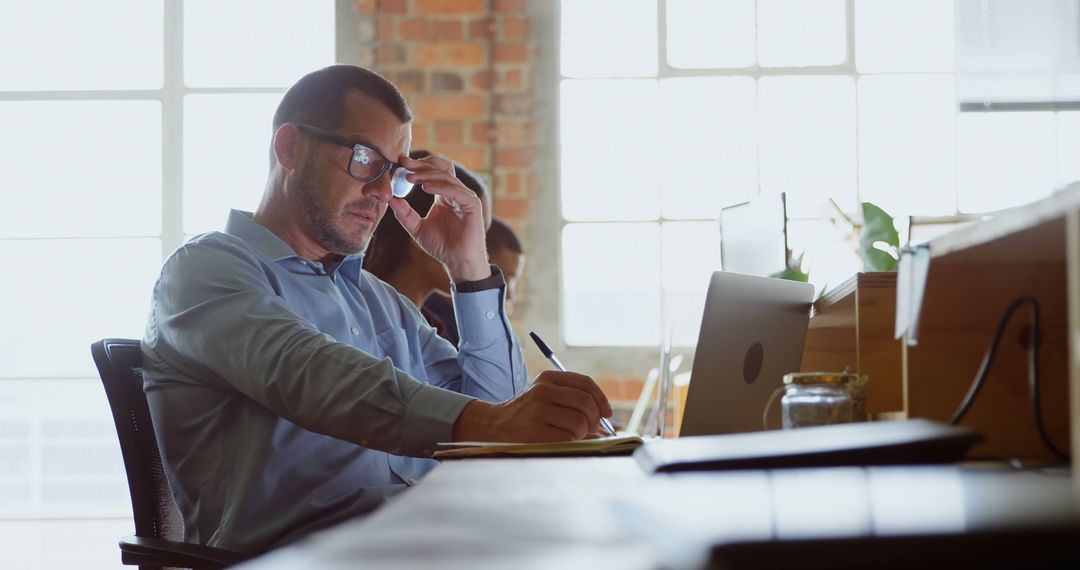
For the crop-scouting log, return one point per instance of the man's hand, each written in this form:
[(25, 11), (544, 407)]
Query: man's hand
[(557, 406), (453, 230)]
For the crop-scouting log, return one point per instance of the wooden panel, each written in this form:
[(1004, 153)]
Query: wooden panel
[(961, 308), (852, 328), (879, 354), (1073, 282)]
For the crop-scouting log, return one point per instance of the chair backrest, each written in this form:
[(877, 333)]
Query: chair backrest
[(119, 362)]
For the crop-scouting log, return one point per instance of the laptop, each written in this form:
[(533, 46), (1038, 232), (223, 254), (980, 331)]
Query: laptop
[(752, 333)]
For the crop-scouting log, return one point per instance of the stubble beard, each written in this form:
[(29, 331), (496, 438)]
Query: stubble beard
[(324, 222)]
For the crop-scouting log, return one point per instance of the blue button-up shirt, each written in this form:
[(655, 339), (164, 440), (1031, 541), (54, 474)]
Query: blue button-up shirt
[(287, 396)]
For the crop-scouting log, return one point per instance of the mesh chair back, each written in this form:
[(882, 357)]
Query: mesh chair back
[(119, 362)]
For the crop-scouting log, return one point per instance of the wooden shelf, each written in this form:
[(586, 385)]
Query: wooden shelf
[(851, 327)]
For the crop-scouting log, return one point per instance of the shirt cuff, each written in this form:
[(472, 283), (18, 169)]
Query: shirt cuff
[(430, 419), (479, 315)]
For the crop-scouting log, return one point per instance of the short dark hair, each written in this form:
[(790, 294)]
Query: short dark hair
[(318, 98), (501, 236), (385, 252)]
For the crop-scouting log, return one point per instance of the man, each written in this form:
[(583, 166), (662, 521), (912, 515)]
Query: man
[(505, 251), (289, 389)]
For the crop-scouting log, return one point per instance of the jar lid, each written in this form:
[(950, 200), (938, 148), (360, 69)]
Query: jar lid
[(803, 378)]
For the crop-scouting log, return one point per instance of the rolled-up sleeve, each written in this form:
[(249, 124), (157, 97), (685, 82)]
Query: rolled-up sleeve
[(217, 317)]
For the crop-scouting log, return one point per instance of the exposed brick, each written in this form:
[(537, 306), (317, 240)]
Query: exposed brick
[(410, 81), (509, 6), (482, 133), (509, 185), (414, 29), (514, 80), (387, 28), (514, 104), (476, 158), (517, 52), (515, 28), (449, 53), (483, 80), (514, 133), (512, 209), (366, 6), (446, 30), (420, 137), (451, 6), (393, 53), (450, 106), (514, 157), (393, 6), (482, 28), (451, 132), (446, 81)]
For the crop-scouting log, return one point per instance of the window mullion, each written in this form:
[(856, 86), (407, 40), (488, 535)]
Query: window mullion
[(172, 131)]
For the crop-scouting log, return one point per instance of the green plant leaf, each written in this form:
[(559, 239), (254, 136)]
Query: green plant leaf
[(794, 270), (878, 229)]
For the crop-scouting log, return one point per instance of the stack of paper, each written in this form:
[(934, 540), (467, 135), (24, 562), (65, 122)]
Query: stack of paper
[(610, 445)]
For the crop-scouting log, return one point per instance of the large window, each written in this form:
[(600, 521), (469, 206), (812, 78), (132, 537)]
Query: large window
[(125, 127), (673, 109)]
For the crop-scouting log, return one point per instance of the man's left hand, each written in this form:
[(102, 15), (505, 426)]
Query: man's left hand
[(453, 230)]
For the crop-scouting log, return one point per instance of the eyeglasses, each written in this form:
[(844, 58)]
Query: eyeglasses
[(366, 164)]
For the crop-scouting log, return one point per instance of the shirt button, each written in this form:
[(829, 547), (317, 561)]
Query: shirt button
[(411, 481), (490, 315), (355, 330)]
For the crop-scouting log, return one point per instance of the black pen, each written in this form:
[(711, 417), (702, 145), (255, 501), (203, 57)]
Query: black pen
[(555, 360)]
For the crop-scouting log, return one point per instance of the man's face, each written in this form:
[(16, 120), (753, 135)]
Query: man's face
[(336, 210)]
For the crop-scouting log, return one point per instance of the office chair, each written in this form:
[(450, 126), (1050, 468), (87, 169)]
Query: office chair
[(159, 527)]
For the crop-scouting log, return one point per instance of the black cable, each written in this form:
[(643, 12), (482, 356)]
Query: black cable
[(1033, 372)]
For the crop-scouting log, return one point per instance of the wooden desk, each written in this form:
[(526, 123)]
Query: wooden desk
[(606, 513)]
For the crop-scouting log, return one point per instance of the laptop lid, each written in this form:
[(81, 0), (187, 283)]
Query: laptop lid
[(752, 333)]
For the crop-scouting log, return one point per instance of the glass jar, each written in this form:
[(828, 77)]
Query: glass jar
[(816, 399)]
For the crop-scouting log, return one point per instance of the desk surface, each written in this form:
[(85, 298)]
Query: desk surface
[(606, 513)]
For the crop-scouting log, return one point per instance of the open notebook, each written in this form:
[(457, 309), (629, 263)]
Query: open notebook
[(609, 445)]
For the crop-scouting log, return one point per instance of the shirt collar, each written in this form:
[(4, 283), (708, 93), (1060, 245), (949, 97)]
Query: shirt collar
[(242, 225)]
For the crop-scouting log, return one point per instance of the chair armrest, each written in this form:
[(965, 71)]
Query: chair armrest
[(141, 549)]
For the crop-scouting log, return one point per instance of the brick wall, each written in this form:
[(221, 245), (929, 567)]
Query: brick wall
[(466, 68), (474, 74)]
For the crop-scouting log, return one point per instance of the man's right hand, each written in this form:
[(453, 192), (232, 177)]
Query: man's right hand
[(557, 406)]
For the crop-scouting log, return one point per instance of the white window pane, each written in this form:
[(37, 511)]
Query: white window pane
[(226, 156), (609, 38), (707, 33), (59, 455), (1068, 147), (903, 35), (48, 332), (610, 154), (691, 253), (830, 255), (907, 143), (74, 44), (798, 33), (255, 43), (611, 289), (807, 130), (81, 168), (709, 124), (1005, 159)]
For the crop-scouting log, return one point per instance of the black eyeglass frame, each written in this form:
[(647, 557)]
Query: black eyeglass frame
[(357, 147)]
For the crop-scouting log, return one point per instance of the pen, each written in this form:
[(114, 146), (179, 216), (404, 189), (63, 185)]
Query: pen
[(555, 360)]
